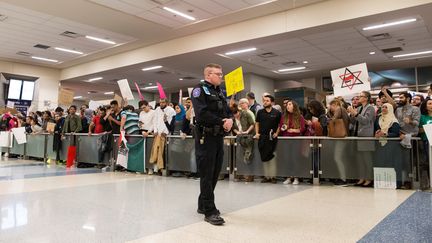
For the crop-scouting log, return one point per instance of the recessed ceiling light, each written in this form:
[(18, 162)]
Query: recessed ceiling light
[(291, 69), (100, 40), (151, 68), (305, 62), (109, 93), (179, 13), (389, 24), (77, 97), (44, 59), (413, 54), (68, 50), (180, 79), (151, 87), (94, 79), (372, 53), (150, 83), (240, 51)]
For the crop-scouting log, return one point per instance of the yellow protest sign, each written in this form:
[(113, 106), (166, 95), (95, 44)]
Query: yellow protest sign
[(234, 81)]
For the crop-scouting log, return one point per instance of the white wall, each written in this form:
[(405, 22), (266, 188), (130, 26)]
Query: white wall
[(256, 84), (46, 87)]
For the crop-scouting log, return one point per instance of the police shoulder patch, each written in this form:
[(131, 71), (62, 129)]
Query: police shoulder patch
[(196, 92)]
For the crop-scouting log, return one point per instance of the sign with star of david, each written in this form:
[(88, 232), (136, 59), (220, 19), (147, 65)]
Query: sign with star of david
[(350, 80)]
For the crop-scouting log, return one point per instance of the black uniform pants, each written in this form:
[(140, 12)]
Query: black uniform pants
[(209, 157)]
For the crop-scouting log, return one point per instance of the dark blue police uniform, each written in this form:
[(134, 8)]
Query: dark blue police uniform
[(210, 108)]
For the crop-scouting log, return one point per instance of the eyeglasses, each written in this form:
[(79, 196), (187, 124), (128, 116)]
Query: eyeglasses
[(218, 74)]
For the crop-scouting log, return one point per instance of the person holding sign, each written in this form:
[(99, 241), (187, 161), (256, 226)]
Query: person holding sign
[(213, 120)]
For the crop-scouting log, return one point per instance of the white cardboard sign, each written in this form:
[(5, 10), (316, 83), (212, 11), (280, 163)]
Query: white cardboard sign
[(350, 80), (384, 178), (125, 89)]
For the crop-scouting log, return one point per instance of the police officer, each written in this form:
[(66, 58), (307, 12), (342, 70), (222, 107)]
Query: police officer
[(213, 120)]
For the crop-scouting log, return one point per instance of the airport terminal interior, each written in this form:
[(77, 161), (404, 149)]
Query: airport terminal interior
[(104, 106)]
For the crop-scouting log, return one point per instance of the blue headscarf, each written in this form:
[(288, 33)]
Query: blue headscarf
[(180, 116)]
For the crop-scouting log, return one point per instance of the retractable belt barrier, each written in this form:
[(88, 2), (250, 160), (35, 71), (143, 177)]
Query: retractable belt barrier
[(304, 157)]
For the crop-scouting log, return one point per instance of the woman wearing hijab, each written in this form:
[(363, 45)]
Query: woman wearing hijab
[(387, 124)]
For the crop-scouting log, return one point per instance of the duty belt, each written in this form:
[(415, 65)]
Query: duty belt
[(214, 130)]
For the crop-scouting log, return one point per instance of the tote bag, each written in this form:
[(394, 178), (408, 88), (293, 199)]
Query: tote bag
[(336, 128)]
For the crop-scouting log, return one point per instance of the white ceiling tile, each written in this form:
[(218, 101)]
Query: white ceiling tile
[(209, 5), (142, 5), (233, 5)]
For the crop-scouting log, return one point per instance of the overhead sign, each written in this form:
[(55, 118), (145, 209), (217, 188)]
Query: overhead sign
[(350, 80), (234, 82)]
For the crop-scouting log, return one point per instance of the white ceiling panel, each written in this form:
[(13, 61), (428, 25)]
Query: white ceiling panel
[(209, 5), (141, 5), (156, 18), (232, 5), (25, 28)]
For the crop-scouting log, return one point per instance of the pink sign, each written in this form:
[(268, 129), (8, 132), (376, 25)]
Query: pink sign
[(162, 94)]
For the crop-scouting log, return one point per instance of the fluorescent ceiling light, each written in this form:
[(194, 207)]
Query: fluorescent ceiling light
[(291, 69), (240, 51), (68, 50), (180, 79), (413, 54), (305, 62), (151, 68), (179, 13), (389, 24), (77, 97), (372, 53), (109, 93), (44, 59), (100, 40), (95, 79), (151, 87)]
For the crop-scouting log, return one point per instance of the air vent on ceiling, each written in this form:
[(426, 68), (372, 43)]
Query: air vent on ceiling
[(292, 63), (91, 92), (393, 49), (162, 72), (41, 46), (71, 34), (188, 78), (377, 37), (3, 17), (267, 55), (24, 53)]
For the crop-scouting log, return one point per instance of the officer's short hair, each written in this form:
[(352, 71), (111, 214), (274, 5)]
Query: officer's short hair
[(213, 65), (272, 99), (163, 100), (114, 102)]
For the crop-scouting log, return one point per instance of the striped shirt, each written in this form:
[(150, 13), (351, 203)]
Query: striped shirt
[(131, 124)]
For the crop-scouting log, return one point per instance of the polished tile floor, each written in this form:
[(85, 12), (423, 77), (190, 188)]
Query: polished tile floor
[(127, 207)]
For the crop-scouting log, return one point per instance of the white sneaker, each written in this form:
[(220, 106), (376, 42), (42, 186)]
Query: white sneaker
[(150, 172), (287, 181), (296, 181)]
